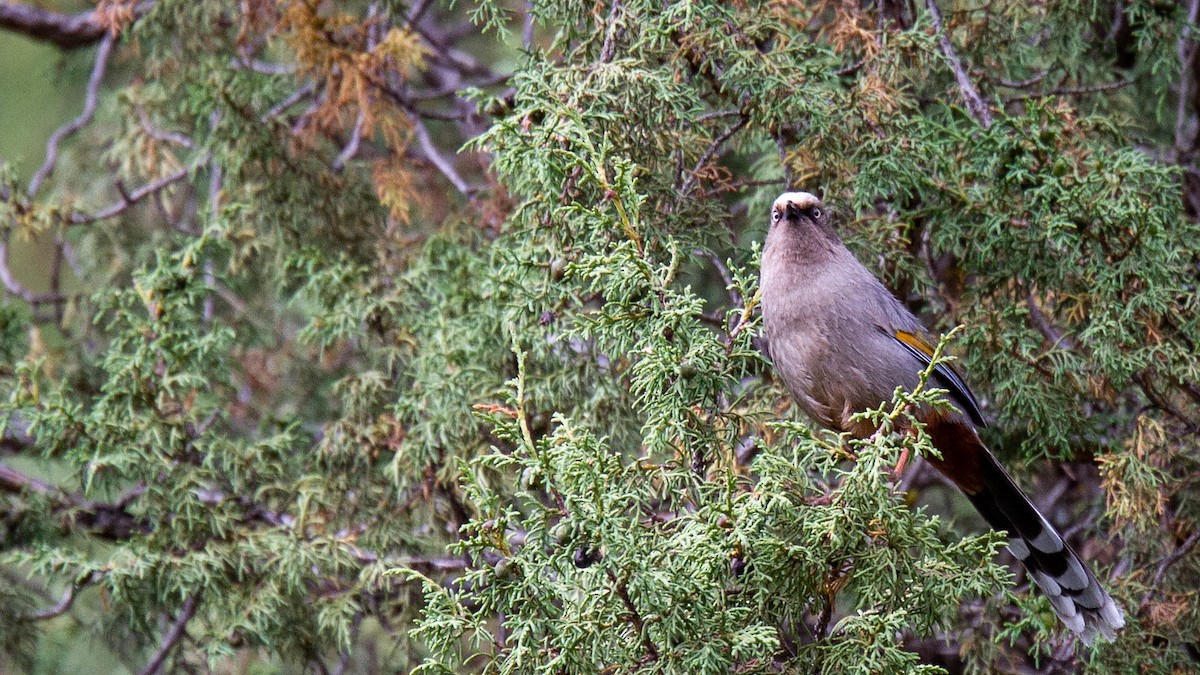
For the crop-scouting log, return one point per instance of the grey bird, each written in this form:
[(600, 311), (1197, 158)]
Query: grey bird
[(842, 343)]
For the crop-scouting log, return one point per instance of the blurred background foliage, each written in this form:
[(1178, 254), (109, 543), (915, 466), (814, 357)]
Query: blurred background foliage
[(394, 336)]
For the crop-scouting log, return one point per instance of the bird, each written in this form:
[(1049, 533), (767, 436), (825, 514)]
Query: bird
[(842, 343)]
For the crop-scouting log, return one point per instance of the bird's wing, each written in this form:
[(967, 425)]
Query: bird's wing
[(945, 376)]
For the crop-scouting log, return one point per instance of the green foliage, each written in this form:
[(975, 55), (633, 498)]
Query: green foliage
[(389, 358), (595, 561)]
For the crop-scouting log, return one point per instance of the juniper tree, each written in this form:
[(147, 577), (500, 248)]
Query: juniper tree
[(426, 337)]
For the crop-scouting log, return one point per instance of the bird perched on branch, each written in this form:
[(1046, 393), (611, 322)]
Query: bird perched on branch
[(842, 343)]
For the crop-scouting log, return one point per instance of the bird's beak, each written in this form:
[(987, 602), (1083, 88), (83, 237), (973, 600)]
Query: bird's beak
[(792, 212)]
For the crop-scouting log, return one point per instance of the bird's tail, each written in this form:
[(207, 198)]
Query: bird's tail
[(1074, 592)]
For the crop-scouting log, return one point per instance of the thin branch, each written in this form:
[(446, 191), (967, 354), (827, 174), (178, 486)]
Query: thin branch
[(448, 56), (975, 105), (717, 114), (216, 177), (68, 599), (781, 145), (58, 609), (435, 157), (109, 521), (65, 31), (1146, 383), (821, 630), (351, 148), (131, 198), (158, 134), (90, 102), (527, 29), (15, 287), (634, 615), (1022, 84), (292, 99), (1166, 563), (418, 11), (1047, 329), (1075, 91), (1185, 133), (747, 449), (12, 480), (850, 69), (6, 277), (16, 435), (690, 181), (756, 182), (734, 296), (608, 49), (495, 79), (172, 636), (264, 67), (56, 265)]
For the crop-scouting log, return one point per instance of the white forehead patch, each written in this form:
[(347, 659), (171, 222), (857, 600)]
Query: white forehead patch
[(802, 200)]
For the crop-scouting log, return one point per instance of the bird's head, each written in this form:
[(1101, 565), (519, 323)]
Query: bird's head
[(799, 209), (800, 229)]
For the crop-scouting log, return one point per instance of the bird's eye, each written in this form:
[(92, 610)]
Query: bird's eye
[(816, 213), (775, 216)]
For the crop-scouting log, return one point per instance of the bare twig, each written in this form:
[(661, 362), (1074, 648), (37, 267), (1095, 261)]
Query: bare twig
[(1145, 382), (1075, 91), (443, 53), (1047, 329), (351, 148), (734, 296), (1166, 563), (172, 636), (418, 10), (435, 157), (821, 630), (16, 435), (66, 31), (292, 99), (216, 178), (756, 182), (264, 67), (634, 615), (975, 105), (15, 287), (1185, 131), (12, 480), (781, 145), (130, 198), (68, 599), (109, 521), (717, 114), (90, 102), (56, 265), (747, 449), (1022, 84), (158, 134), (608, 49), (527, 30), (850, 69), (690, 181), (58, 609)]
